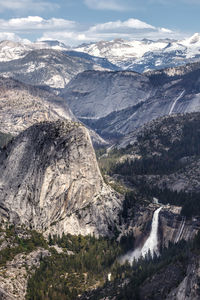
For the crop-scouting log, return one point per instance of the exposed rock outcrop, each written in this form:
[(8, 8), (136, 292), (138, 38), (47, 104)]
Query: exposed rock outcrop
[(95, 94), (116, 103), (172, 226), (47, 67), (50, 181), (189, 288), (23, 105), (14, 276)]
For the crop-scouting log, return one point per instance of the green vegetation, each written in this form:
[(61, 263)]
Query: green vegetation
[(108, 161), (128, 279), (189, 201), (167, 147), (146, 268), (131, 200), (168, 160), (20, 245), (85, 268), (64, 276)]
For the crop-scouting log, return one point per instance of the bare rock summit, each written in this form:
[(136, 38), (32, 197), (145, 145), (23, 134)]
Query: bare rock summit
[(50, 181)]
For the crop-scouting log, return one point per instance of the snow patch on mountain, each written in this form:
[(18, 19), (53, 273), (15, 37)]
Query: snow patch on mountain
[(143, 55)]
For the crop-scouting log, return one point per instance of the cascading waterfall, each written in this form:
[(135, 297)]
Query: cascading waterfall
[(180, 231), (151, 244)]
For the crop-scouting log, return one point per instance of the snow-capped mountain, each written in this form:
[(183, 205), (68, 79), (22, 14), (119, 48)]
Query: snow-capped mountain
[(10, 50), (48, 63), (143, 55), (136, 55), (49, 67)]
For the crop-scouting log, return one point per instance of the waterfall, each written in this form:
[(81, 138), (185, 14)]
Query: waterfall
[(174, 103), (151, 244), (180, 231)]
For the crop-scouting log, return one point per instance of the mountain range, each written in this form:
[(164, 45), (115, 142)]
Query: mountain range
[(144, 55), (136, 55), (70, 216)]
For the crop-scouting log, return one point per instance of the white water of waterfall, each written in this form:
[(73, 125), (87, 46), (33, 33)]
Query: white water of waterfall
[(180, 231), (151, 244), (174, 103)]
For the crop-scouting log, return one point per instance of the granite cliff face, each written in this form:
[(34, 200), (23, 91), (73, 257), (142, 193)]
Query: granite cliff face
[(50, 181), (188, 289), (23, 105), (172, 227), (14, 276), (116, 103), (95, 94)]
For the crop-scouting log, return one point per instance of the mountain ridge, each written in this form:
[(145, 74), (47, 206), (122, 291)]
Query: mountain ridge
[(143, 55)]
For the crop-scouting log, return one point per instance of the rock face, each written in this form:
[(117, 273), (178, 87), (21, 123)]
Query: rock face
[(14, 276), (188, 289), (174, 282), (50, 181), (116, 103), (47, 67), (23, 105), (95, 94), (172, 226)]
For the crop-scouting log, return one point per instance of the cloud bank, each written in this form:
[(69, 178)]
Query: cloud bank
[(73, 33)]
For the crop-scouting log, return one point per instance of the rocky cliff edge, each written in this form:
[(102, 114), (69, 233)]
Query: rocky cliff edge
[(50, 181)]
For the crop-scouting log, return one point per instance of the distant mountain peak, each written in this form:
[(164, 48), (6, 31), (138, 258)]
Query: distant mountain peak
[(146, 54)]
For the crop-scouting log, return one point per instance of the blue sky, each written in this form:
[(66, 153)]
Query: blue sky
[(78, 21)]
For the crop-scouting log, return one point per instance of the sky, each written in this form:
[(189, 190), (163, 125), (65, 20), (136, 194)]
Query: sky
[(83, 21)]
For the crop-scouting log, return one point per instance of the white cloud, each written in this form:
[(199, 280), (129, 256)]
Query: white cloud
[(129, 24), (9, 36), (77, 37), (35, 23), (27, 5), (74, 33), (165, 30), (115, 5)]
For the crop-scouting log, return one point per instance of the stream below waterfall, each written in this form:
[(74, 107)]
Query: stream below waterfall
[(150, 245)]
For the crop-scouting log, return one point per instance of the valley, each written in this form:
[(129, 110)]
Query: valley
[(99, 173)]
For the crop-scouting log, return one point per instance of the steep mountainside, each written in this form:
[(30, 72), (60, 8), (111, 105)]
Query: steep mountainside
[(136, 100), (161, 160), (135, 55), (170, 148), (143, 55), (95, 94), (50, 181), (23, 105), (10, 50), (47, 67)]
